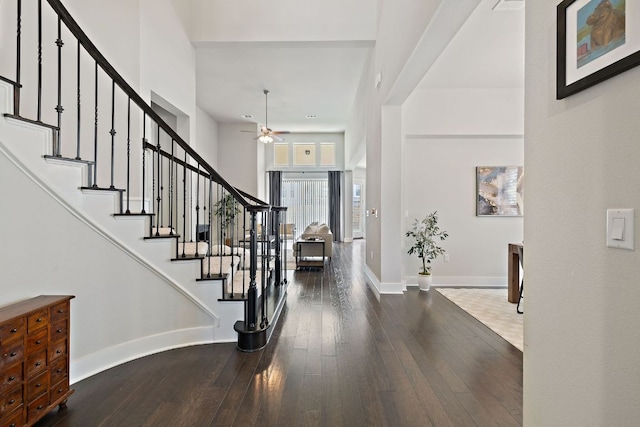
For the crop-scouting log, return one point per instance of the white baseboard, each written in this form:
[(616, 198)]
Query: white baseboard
[(107, 358), (380, 288), (462, 281)]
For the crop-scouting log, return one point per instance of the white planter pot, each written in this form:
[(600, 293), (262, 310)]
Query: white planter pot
[(424, 281)]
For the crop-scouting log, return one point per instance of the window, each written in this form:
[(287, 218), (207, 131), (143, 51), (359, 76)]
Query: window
[(307, 200)]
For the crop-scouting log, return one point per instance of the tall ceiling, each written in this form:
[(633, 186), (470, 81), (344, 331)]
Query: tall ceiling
[(315, 77)]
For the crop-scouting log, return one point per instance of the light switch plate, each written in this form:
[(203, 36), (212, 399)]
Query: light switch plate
[(617, 237)]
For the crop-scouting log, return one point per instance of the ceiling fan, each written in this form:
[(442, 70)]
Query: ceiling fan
[(267, 135)]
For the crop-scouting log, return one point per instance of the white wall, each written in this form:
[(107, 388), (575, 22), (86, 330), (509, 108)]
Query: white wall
[(440, 175), (581, 336), (282, 20), (206, 138), (448, 133), (167, 59), (239, 150)]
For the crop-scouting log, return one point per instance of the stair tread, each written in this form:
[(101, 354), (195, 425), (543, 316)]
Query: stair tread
[(96, 188), (134, 214), (69, 159), (163, 236), (35, 122)]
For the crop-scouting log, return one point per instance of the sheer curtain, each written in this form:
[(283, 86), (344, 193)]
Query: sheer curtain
[(335, 204)]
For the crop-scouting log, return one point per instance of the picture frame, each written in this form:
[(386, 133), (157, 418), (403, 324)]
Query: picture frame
[(499, 191), (596, 40)]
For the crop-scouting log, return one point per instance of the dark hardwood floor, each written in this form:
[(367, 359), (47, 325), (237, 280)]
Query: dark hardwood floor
[(338, 357)]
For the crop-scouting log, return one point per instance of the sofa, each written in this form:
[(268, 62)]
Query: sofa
[(322, 231)]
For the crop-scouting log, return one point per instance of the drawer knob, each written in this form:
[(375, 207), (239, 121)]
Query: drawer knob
[(12, 401), (39, 320), (59, 331), (58, 351), (39, 407), (38, 342), (60, 311), (58, 371), (14, 330), (38, 385), (38, 364), (13, 354), (12, 379), (13, 425)]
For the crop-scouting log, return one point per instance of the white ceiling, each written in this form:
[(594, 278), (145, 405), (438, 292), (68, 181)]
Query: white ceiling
[(321, 78), (303, 78)]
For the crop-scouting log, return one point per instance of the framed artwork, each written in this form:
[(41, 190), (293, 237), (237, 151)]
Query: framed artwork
[(281, 154), (596, 40), (327, 154), (499, 190), (304, 154)]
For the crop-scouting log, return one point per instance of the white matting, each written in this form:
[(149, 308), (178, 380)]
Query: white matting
[(489, 306)]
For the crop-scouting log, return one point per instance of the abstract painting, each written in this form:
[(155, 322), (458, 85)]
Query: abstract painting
[(499, 190)]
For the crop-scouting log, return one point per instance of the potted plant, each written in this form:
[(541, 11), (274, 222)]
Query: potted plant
[(226, 209), (426, 234)]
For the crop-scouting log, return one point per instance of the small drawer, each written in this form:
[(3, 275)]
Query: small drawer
[(12, 330), (10, 377), (36, 363), (37, 408), (60, 311), (10, 401), (37, 386), (58, 370), (59, 390), (58, 349), (11, 354), (59, 330), (38, 320), (37, 341), (14, 420)]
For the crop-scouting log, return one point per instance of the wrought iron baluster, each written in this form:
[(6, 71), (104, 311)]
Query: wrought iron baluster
[(113, 132), (39, 111), (128, 189), (153, 193), (184, 206), (144, 163), (264, 267), (252, 294), (198, 205), (16, 89), (244, 252), (78, 127), (95, 131), (171, 171), (59, 108), (160, 186)]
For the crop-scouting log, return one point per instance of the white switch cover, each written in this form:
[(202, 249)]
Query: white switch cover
[(620, 233)]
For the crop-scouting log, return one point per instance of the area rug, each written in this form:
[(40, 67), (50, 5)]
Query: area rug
[(490, 307)]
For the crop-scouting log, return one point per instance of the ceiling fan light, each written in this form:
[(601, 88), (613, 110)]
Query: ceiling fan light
[(265, 139)]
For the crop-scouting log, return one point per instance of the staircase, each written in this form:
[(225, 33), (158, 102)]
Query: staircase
[(108, 159)]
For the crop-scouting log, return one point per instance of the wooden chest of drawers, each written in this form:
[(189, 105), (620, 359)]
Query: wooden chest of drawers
[(34, 358)]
